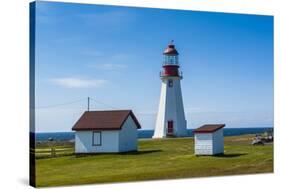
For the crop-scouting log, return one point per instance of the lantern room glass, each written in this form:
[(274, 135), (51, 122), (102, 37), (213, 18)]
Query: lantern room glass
[(170, 60)]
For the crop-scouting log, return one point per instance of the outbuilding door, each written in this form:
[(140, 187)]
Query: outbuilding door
[(170, 127)]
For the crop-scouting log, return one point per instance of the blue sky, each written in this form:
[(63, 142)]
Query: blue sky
[(113, 54)]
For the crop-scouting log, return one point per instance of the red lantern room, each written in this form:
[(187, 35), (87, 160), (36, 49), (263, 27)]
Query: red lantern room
[(170, 63)]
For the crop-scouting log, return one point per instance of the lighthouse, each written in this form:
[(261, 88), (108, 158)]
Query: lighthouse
[(170, 120)]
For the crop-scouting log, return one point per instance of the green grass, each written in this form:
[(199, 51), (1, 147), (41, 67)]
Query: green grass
[(156, 159)]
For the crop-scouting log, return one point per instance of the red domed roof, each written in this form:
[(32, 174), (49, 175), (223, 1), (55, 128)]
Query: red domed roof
[(171, 50)]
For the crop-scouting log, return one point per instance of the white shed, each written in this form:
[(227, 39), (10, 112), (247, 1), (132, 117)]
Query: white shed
[(106, 132), (209, 139)]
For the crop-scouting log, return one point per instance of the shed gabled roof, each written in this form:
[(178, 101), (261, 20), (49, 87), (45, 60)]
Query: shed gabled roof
[(208, 128), (104, 120)]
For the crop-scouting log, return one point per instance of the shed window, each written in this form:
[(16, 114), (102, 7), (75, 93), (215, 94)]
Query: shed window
[(97, 138), (170, 83)]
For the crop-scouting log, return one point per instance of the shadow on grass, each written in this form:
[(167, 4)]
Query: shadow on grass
[(230, 155), (140, 152), (120, 153)]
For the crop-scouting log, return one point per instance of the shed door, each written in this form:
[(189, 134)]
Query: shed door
[(170, 127)]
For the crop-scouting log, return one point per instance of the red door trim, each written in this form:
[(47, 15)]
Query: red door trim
[(170, 127)]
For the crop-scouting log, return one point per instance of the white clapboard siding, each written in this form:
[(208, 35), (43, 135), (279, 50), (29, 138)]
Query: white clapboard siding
[(111, 141), (209, 143), (218, 143), (84, 142), (128, 136), (203, 144)]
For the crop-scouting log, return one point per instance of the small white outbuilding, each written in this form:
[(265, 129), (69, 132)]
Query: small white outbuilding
[(209, 139), (106, 132)]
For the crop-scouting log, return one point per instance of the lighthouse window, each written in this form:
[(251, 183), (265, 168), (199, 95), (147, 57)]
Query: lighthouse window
[(170, 83), (171, 59)]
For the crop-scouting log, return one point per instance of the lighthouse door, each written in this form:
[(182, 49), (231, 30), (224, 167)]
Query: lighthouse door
[(170, 128)]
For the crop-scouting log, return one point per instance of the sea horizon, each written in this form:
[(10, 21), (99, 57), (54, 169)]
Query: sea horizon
[(153, 129), (148, 133), (269, 125)]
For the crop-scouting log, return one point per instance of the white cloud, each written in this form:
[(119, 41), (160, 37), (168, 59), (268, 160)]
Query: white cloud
[(71, 82), (113, 62)]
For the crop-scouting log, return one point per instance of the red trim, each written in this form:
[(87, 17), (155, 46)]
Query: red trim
[(170, 70), (205, 131), (170, 127), (209, 128)]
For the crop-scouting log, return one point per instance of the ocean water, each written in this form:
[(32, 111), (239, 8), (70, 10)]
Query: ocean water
[(65, 136)]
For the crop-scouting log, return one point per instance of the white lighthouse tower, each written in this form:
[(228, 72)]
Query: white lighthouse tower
[(170, 118)]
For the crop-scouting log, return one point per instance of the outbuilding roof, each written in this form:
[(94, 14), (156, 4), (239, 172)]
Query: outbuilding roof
[(208, 128), (104, 120)]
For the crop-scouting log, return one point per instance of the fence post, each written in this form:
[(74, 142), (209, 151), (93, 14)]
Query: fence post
[(53, 152)]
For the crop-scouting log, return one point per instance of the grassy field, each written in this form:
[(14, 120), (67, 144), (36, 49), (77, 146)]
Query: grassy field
[(156, 159)]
